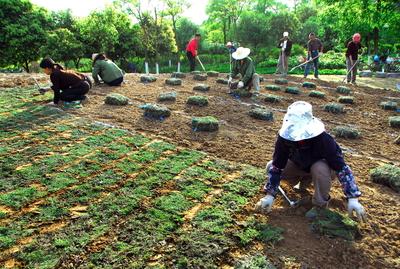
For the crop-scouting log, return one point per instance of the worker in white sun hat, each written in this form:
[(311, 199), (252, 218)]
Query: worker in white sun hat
[(285, 46), (304, 150), (244, 66)]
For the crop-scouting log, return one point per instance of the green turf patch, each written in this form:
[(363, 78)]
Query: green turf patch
[(78, 150), (213, 219), (128, 166), (388, 175), (192, 188), (106, 178), (83, 169), (137, 140), (116, 133), (103, 157), (20, 196), (161, 146), (394, 121), (334, 108), (203, 173), (230, 201), (58, 181), (145, 156), (120, 148), (346, 132), (52, 209), (98, 141), (82, 194), (37, 150)]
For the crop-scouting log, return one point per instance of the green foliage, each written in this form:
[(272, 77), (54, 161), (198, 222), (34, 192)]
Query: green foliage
[(20, 196)]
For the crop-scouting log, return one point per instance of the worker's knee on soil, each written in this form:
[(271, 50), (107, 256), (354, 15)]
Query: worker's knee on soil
[(321, 202)]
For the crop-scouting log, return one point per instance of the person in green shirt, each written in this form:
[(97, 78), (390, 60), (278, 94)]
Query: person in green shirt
[(108, 71), (244, 66)]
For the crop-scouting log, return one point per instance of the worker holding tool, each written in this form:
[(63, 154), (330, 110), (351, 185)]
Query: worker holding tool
[(68, 85), (315, 50), (352, 58), (191, 51), (304, 149), (285, 46), (244, 66)]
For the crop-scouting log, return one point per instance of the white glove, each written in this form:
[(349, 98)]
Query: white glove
[(283, 49), (240, 84), (51, 104), (230, 79), (268, 200), (354, 205), (320, 54)]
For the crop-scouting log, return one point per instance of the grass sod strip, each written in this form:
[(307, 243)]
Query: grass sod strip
[(346, 99), (389, 105), (317, 94), (273, 87), (269, 98), (346, 132), (394, 121), (334, 108), (388, 175), (197, 100)]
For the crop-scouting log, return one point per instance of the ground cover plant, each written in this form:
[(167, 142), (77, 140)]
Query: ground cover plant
[(107, 187)]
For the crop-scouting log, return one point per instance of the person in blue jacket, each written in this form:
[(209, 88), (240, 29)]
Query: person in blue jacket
[(305, 149)]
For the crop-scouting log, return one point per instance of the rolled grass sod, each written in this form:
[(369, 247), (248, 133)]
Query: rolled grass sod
[(281, 81), (156, 111), (346, 99), (167, 96), (317, 94), (273, 87), (200, 77), (334, 108), (346, 132), (116, 99), (388, 175), (197, 100), (309, 85), (394, 121), (389, 105), (173, 81), (343, 90), (293, 90), (207, 124), (148, 78), (269, 98), (242, 93), (262, 114), (201, 87), (178, 75)]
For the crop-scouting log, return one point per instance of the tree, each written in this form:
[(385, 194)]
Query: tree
[(252, 29), (281, 22), (22, 32)]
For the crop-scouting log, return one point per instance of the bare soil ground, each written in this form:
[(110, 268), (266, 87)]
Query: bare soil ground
[(248, 140)]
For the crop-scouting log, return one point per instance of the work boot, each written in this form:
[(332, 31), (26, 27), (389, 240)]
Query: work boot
[(304, 183)]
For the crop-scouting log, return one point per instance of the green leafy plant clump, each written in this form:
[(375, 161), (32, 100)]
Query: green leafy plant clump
[(197, 100)]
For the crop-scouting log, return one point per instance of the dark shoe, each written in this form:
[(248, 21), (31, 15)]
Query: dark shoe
[(85, 100), (313, 212), (354, 83)]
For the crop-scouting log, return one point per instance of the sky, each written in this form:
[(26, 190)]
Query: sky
[(81, 8)]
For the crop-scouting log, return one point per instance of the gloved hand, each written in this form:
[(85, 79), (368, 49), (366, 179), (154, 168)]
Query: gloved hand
[(230, 79), (268, 200), (240, 84), (320, 54), (354, 205)]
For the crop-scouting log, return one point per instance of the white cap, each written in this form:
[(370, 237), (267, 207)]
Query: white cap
[(229, 44), (285, 34), (299, 123)]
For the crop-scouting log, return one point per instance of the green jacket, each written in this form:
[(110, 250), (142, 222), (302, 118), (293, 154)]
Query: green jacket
[(109, 71), (246, 69)]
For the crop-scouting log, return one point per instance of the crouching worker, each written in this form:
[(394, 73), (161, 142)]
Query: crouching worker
[(108, 71), (68, 85), (244, 66), (305, 150)]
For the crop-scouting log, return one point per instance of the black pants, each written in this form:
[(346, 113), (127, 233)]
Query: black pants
[(72, 94), (191, 60), (115, 82)]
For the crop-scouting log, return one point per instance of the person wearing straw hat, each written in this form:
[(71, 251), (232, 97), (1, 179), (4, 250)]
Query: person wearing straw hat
[(244, 66), (305, 149), (285, 46), (352, 57)]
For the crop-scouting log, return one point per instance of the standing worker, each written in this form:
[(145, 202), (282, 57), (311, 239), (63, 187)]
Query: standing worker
[(232, 49), (305, 152), (68, 85), (191, 51), (244, 66), (315, 50), (285, 46), (352, 58), (108, 71)]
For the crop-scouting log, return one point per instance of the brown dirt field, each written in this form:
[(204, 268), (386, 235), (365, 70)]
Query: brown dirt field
[(247, 140)]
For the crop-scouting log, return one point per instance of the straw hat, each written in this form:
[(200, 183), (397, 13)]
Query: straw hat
[(299, 123), (241, 53), (94, 55)]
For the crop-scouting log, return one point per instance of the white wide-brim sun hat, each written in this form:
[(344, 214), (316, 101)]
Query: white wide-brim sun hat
[(241, 53), (299, 123), (94, 55)]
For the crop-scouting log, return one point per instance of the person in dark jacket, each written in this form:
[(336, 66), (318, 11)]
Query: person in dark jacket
[(352, 58), (304, 149), (68, 85), (108, 71), (285, 46)]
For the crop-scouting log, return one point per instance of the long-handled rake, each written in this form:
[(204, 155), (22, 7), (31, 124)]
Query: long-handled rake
[(304, 63), (201, 63), (348, 72), (297, 203)]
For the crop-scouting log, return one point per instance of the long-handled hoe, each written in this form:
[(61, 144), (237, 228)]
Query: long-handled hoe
[(201, 64), (348, 72), (297, 203), (303, 63)]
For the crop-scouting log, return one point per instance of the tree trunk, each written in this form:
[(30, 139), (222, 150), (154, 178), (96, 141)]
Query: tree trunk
[(376, 39)]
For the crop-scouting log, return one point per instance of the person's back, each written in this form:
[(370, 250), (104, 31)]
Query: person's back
[(108, 71)]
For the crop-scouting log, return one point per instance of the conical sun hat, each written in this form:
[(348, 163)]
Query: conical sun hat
[(299, 123), (241, 53)]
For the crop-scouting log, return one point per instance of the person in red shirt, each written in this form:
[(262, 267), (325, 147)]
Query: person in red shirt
[(352, 58), (191, 51)]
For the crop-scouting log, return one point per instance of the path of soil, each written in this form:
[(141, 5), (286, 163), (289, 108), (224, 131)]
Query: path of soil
[(247, 140)]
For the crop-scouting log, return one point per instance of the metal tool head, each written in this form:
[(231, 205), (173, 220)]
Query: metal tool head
[(37, 83)]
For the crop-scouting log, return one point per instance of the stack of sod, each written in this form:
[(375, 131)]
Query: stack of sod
[(207, 124), (262, 114), (200, 77), (156, 111), (272, 98), (346, 132), (167, 96), (148, 78), (173, 81), (317, 94), (294, 90), (273, 88), (197, 100), (394, 121), (212, 74), (343, 90), (178, 75), (222, 81), (242, 93), (281, 81), (389, 105), (309, 85), (346, 99), (334, 108), (116, 99), (201, 87), (388, 175)]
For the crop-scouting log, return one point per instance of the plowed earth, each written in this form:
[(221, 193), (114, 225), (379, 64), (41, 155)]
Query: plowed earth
[(243, 139)]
